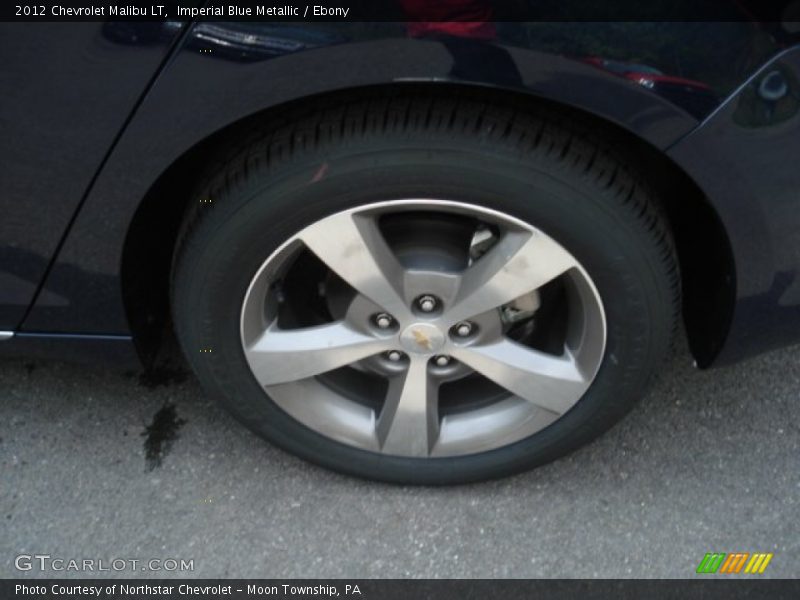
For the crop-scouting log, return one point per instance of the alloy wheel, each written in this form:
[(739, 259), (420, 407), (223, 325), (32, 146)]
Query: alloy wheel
[(423, 328)]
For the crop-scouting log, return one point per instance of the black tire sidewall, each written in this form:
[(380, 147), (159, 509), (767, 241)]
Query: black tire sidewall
[(249, 221)]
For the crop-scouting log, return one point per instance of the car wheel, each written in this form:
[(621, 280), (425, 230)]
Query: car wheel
[(425, 290)]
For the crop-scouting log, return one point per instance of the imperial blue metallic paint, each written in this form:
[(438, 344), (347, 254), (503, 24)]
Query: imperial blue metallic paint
[(746, 159), (88, 135), (67, 93)]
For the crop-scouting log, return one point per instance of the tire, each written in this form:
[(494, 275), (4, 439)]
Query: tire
[(458, 163)]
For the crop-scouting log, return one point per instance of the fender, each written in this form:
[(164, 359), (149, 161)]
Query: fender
[(745, 158), (204, 90)]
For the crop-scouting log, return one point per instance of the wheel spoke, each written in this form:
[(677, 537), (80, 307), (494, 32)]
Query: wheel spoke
[(409, 422), (519, 263), (554, 383), (281, 356), (354, 248)]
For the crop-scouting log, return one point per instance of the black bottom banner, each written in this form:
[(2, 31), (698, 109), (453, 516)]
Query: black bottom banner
[(391, 589)]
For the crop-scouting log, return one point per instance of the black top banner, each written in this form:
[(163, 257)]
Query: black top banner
[(404, 10), (371, 589)]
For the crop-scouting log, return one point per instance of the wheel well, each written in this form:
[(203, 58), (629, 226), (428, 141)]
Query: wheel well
[(704, 253)]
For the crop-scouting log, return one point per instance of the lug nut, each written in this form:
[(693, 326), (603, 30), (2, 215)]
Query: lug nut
[(426, 303), (463, 329), (394, 355), (442, 360), (384, 320)]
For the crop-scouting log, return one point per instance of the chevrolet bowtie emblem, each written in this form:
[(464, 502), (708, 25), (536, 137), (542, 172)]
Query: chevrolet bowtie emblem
[(421, 339)]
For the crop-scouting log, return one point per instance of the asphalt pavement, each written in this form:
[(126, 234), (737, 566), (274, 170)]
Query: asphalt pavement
[(98, 464)]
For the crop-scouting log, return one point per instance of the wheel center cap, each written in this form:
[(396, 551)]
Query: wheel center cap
[(422, 338)]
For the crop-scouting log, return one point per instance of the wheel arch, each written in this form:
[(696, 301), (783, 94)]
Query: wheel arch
[(705, 256)]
